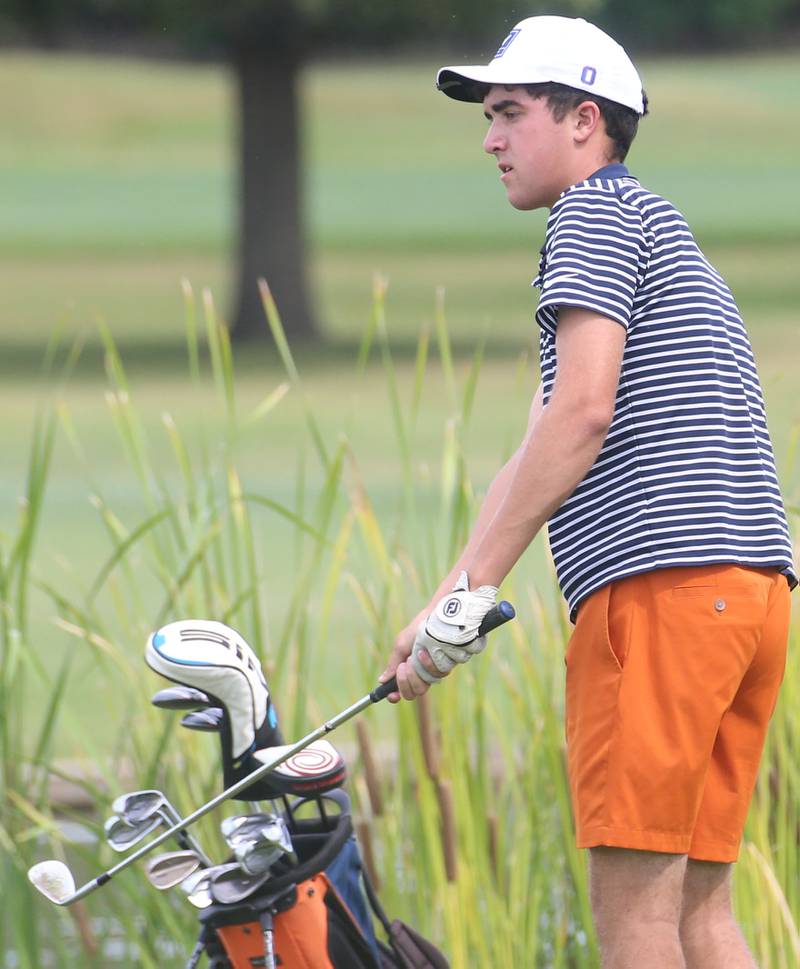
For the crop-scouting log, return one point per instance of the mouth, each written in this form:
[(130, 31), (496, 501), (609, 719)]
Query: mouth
[(504, 170)]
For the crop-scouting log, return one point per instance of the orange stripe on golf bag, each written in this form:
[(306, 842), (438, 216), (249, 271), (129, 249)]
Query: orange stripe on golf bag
[(300, 933)]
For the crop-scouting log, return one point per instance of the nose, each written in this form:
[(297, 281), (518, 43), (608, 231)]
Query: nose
[(493, 142)]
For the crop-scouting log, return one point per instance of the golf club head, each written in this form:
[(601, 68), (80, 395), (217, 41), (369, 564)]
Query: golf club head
[(229, 885), (171, 868), (242, 827), (258, 841), (139, 806), (121, 836), (181, 698), (208, 720), (258, 858), (53, 879), (196, 888)]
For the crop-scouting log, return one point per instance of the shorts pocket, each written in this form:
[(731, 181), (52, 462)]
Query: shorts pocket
[(618, 626), (692, 591)]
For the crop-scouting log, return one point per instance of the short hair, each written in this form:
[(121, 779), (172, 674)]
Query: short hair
[(621, 122)]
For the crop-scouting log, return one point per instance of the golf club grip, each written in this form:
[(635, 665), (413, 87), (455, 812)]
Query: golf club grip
[(495, 617)]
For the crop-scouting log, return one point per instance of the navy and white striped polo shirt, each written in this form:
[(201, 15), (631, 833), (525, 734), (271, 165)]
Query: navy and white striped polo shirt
[(686, 475)]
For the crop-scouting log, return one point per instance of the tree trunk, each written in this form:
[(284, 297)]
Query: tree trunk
[(271, 229)]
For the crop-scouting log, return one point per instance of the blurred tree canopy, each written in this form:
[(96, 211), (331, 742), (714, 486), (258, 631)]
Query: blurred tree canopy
[(266, 42)]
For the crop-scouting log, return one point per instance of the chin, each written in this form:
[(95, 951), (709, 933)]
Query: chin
[(526, 204)]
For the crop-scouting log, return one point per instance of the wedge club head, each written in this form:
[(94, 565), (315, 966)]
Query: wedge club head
[(171, 868), (54, 880)]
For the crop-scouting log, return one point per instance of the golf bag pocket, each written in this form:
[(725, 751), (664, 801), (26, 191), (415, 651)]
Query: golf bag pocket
[(315, 932)]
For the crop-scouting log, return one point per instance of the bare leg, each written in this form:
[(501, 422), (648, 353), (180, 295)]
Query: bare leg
[(636, 902), (710, 937)]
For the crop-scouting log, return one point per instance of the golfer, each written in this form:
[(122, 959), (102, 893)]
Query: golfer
[(648, 455)]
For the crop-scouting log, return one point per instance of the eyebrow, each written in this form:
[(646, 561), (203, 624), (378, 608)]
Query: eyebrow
[(499, 106)]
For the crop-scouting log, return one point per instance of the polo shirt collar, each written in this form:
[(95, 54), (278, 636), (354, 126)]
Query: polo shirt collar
[(614, 170)]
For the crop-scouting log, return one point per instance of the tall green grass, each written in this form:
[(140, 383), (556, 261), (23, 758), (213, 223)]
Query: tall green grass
[(461, 801)]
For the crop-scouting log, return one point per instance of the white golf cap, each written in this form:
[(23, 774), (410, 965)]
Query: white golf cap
[(560, 49)]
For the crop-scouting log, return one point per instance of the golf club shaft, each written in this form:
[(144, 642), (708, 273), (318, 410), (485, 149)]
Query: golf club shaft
[(498, 615), (187, 840)]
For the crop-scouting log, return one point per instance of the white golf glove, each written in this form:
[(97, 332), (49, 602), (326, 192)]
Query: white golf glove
[(450, 633)]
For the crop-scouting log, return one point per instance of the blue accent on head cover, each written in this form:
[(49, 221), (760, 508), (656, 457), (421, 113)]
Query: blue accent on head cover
[(159, 640), (272, 717)]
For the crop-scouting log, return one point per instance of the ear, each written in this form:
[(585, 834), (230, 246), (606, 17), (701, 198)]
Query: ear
[(586, 119)]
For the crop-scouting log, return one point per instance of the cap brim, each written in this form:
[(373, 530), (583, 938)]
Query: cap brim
[(462, 83), (468, 82)]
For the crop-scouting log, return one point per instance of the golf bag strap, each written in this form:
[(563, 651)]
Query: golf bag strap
[(409, 948), (375, 904), (413, 951)]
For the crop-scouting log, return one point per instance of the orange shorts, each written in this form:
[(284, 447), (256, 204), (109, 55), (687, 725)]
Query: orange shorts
[(672, 677)]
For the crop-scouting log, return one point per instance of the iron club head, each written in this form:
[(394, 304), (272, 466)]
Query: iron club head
[(197, 886), (141, 805), (229, 885), (121, 835)]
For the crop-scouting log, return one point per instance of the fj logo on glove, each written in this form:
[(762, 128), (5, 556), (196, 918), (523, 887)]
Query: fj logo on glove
[(452, 608)]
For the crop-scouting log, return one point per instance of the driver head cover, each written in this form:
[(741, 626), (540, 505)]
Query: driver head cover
[(216, 659)]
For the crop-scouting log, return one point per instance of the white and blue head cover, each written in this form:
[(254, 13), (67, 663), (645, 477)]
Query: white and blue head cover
[(216, 659)]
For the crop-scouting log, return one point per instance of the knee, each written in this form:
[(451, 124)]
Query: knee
[(706, 906), (703, 923), (633, 926)]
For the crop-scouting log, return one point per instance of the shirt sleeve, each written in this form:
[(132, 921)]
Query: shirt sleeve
[(593, 258)]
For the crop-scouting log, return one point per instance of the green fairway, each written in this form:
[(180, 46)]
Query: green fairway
[(118, 179)]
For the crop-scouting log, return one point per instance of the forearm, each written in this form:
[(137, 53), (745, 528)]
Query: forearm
[(495, 495), (559, 451)]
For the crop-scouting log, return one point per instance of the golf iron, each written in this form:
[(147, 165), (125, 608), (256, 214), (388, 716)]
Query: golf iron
[(139, 807), (56, 882), (170, 869)]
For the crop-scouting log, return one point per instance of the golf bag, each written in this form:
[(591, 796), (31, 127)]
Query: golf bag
[(320, 909), (315, 911)]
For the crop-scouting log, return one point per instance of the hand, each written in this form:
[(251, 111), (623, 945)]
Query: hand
[(409, 683), (449, 635)]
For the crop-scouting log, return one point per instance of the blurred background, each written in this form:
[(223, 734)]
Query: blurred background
[(158, 157)]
